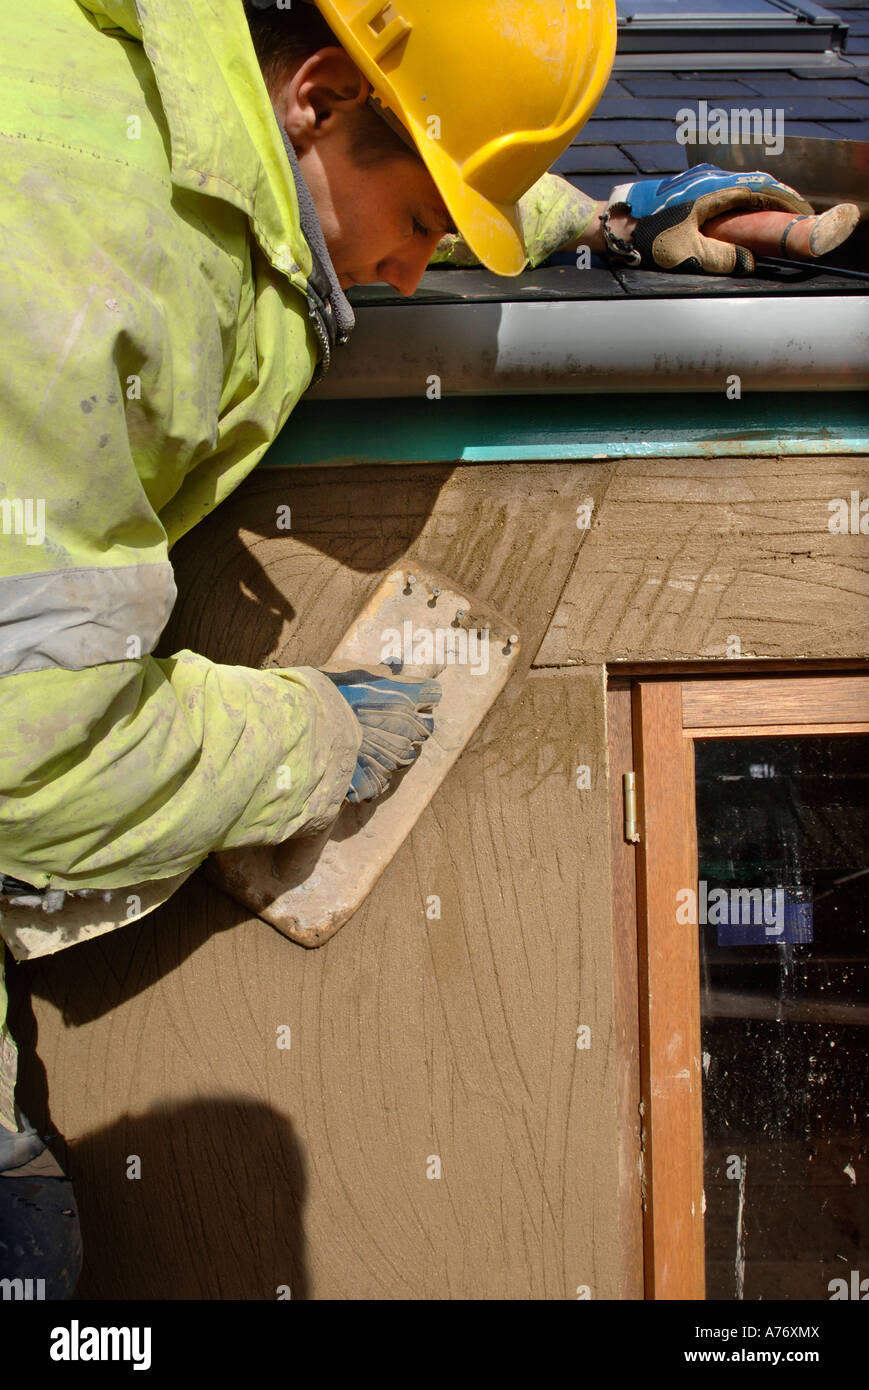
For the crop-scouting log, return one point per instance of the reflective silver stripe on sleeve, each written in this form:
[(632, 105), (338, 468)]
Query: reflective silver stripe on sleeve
[(76, 618)]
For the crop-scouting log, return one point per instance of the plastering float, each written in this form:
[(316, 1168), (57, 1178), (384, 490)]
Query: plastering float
[(417, 625)]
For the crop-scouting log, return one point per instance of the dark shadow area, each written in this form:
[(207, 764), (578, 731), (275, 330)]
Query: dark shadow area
[(229, 608), (93, 978), (217, 1212)]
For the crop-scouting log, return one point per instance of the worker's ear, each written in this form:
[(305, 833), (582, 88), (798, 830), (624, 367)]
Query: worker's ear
[(312, 101)]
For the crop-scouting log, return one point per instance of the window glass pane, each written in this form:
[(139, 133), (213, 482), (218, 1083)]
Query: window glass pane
[(675, 27), (784, 964)]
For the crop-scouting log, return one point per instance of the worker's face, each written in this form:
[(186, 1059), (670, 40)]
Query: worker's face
[(381, 223)]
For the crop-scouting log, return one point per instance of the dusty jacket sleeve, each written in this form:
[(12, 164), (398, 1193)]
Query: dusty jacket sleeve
[(553, 214), (136, 770)]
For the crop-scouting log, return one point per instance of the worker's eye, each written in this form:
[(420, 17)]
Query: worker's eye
[(419, 229)]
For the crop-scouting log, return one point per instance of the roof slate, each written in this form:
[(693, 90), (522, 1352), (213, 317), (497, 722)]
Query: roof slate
[(633, 127)]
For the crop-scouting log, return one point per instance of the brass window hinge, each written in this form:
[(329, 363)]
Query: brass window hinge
[(629, 788)]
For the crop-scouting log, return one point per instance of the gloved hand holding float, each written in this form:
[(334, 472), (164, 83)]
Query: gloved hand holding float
[(395, 721)]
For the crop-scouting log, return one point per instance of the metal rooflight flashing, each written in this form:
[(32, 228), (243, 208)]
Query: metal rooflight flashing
[(733, 32)]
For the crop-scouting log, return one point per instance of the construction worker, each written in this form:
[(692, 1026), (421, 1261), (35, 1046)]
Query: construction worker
[(189, 192)]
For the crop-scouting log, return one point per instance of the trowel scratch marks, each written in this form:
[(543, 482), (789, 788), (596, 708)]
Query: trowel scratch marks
[(686, 554), (479, 983), (351, 1168)]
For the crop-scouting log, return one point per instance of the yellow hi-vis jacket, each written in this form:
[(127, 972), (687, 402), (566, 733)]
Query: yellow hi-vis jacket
[(156, 332), (157, 328)]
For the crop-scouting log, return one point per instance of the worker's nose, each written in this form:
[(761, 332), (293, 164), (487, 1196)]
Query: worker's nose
[(405, 270)]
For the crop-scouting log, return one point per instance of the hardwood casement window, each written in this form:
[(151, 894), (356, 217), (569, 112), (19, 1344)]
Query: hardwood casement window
[(746, 891)]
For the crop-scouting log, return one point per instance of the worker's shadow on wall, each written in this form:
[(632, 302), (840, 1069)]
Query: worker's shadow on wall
[(281, 567), (217, 1211), (97, 977), (197, 1200)]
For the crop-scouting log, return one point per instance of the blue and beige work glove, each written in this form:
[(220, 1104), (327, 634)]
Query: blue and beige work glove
[(671, 212), (396, 720)]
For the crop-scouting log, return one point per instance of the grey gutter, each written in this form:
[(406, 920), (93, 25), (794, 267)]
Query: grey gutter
[(773, 343)]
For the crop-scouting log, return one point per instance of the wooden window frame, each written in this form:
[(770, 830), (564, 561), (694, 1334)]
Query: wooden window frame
[(657, 720)]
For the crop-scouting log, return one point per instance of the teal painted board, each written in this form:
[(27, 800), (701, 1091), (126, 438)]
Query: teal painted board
[(492, 429)]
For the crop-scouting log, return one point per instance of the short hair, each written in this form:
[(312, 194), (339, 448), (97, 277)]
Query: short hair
[(283, 39)]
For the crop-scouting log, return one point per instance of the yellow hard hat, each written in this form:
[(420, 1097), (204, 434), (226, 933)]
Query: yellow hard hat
[(491, 91)]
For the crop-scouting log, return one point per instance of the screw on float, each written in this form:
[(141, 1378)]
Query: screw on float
[(409, 583), (434, 596), (461, 614), (512, 641)]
